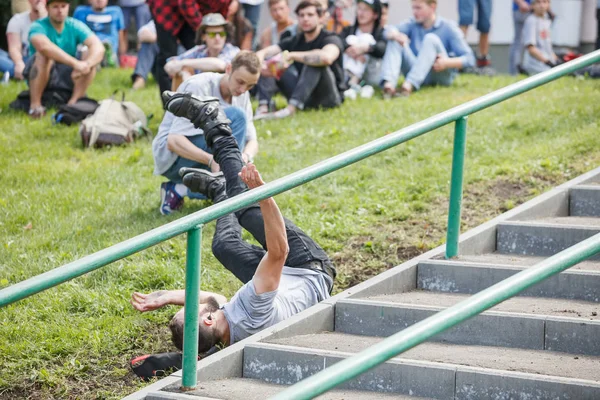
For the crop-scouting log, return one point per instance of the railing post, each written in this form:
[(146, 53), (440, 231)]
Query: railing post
[(456, 185), (192, 292)]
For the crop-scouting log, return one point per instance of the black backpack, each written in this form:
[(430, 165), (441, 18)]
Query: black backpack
[(74, 113)]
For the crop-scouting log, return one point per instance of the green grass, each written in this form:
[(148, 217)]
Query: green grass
[(60, 202)]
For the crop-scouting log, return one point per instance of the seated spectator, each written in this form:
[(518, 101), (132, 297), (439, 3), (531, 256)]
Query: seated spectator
[(365, 47), (53, 45), (241, 31), (539, 55), (333, 19), (134, 9), (212, 55), (17, 37), (315, 77), (466, 9), (521, 10), (178, 144), (385, 11), (282, 22), (427, 49), (107, 23), (146, 61)]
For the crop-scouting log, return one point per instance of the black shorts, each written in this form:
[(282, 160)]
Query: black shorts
[(60, 75)]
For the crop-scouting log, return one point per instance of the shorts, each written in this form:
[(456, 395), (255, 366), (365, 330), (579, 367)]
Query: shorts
[(466, 10), (60, 75)]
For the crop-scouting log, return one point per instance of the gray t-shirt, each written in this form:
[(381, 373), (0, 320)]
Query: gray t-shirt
[(248, 313), (536, 32), (20, 24), (203, 85)]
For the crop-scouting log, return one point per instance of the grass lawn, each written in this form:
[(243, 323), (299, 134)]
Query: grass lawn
[(60, 202)]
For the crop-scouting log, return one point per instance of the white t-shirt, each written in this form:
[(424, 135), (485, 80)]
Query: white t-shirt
[(203, 85), (20, 23), (252, 2)]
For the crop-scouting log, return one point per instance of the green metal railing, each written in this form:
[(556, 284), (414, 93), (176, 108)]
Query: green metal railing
[(192, 223), (437, 323)]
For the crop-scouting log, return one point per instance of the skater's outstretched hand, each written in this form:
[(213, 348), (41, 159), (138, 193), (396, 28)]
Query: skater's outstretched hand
[(251, 176)]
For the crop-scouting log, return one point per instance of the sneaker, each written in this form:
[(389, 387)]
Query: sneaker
[(37, 113), (202, 181), (484, 61), (169, 198), (6, 78), (205, 113), (367, 91)]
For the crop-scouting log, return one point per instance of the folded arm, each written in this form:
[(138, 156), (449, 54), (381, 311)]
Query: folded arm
[(317, 58)]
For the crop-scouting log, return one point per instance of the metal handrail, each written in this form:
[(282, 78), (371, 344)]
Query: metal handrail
[(192, 223), (437, 323)]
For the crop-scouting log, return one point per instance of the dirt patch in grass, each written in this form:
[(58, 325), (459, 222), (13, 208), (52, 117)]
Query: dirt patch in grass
[(394, 242)]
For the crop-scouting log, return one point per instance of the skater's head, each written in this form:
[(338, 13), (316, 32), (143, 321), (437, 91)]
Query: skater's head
[(243, 73), (208, 326)]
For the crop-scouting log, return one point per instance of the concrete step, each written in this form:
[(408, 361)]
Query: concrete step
[(584, 201), (546, 236), (501, 259), (254, 389), (457, 276), (521, 322), (440, 371)]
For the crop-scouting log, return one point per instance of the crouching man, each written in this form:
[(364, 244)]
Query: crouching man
[(287, 274)]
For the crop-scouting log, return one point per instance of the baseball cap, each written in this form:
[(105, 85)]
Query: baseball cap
[(213, 19), (374, 4), (58, 1)]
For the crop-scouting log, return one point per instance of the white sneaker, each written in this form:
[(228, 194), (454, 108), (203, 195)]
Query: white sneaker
[(350, 94), (367, 91)]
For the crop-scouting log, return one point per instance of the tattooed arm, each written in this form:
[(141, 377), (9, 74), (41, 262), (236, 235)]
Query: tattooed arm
[(317, 58)]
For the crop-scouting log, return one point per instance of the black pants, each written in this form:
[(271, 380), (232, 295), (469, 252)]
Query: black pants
[(239, 256), (167, 44), (314, 87)]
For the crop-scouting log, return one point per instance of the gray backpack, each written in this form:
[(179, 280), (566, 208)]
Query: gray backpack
[(113, 123)]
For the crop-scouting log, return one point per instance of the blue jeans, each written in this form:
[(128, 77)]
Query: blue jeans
[(141, 13), (146, 61), (466, 8), (6, 63), (238, 127), (253, 14), (417, 69), (516, 48)]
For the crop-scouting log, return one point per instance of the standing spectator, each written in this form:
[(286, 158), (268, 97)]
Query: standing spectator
[(177, 21), (521, 10), (365, 46), (427, 50), (17, 36), (179, 144), (466, 9), (134, 9), (107, 23), (316, 77), (252, 12), (212, 55), (54, 42), (282, 21), (241, 31), (537, 40), (146, 61)]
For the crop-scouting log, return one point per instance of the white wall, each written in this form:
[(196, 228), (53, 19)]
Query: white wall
[(575, 22)]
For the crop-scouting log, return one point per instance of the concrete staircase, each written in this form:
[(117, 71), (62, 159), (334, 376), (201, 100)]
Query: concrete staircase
[(544, 344)]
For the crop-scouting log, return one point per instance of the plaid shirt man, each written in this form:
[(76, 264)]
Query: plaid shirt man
[(172, 14)]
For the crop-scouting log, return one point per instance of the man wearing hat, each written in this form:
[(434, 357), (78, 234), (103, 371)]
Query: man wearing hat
[(365, 46), (53, 45), (212, 55), (177, 21)]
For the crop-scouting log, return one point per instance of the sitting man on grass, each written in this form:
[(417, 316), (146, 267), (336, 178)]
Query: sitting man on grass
[(108, 24), (179, 144), (212, 55), (286, 275), (315, 77), (54, 42), (427, 50)]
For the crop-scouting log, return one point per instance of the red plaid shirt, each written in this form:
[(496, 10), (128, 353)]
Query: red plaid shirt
[(172, 14)]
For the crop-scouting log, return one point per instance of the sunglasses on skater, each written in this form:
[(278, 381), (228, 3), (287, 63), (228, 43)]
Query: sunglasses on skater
[(212, 35)]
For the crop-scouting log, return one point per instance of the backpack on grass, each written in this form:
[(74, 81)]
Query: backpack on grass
[(113, 123), (70, 114)]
